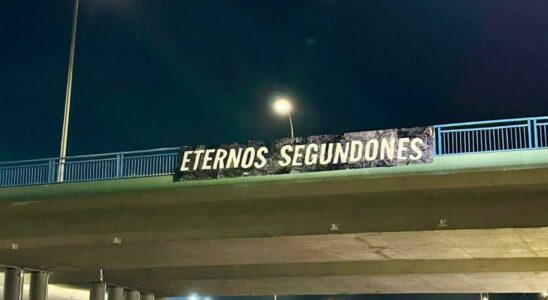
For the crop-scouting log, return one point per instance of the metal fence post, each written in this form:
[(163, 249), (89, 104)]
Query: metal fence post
[(438, 140), (51, 170), (535, 134), (530, 129), (119, 165)]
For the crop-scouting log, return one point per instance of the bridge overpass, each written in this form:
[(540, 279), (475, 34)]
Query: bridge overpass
[(474, 220)]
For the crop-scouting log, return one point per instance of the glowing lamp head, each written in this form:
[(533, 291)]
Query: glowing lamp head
[(282, 106)]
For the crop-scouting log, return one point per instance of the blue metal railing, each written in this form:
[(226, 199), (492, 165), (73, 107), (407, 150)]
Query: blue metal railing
[(487, 136), (451, 139), (90, 167)]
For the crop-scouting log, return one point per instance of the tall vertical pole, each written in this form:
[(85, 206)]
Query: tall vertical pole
[(147, 296), (97, 291), (115, 293), (131, 295), (13, 284), (64, 135), (38, 285)]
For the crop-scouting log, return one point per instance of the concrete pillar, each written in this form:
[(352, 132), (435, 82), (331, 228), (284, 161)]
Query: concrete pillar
[(147, 296), (13, 284), (38, 285), (115, 293), (97, 291), (131, 295)]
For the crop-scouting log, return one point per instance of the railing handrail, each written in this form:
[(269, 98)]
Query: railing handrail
[(490, 122), (45, 163), (451, 139), (486, 128), (114, 154)]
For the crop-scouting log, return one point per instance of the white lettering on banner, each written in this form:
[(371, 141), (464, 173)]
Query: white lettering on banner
[(290, 155), (329, 152)]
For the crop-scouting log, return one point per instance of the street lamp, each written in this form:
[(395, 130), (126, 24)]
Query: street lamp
[(283, 106)]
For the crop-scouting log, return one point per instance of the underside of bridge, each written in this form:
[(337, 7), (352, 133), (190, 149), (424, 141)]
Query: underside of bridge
[(469, 223)]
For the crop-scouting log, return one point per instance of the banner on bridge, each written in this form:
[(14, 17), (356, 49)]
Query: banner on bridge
[(365, 149)]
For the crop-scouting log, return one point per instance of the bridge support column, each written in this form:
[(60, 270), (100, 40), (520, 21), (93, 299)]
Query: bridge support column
[(13, 284), (97, 291), (132, 295), (115, 293), (38, 285), (147, 296)]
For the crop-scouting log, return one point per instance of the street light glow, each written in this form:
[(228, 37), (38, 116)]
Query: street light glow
[(193, 297), (282, 106)]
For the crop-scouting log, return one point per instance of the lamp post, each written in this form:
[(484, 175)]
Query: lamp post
[(64, 135), (282, 106)]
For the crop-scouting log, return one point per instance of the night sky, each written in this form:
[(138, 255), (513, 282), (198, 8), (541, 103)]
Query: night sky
[(167, 73)]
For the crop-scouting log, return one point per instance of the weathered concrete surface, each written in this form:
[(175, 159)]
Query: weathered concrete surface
[(417, 245), (275, 235)]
